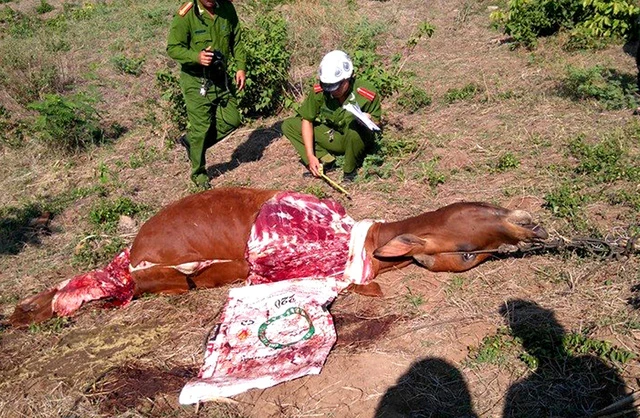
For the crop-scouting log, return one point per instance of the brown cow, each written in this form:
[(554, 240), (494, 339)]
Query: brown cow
[(201, 241)]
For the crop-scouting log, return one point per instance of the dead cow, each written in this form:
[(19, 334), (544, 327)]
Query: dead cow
[(222, 236)]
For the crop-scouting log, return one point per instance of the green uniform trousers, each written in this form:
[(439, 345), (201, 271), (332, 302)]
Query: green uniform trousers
[(352, 143), (211, 118)]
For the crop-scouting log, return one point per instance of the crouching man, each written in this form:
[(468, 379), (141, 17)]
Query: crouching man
[(327, 123)]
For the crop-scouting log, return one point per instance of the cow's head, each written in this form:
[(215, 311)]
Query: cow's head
[(452, 238)]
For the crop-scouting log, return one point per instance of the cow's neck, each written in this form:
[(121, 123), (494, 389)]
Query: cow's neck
[(382, 232)]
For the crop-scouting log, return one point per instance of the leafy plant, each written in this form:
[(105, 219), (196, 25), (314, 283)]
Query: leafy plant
[(609, 18), (575, 343), (414, 99), (317, 191), (507, 161), (51, 326), (126, 65), (172, 94), (369, 65), (44, 7), (564, 201), (67, 123), (427, 171), (464, 93), (604, 161), (415, 300), (106, 213), (94, 250), (385, 154), (268, 61), (11, 132), (493, 349), (607, 86), (526, 20), (424, 29)]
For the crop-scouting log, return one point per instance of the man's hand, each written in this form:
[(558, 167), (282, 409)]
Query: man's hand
[(205, 57), (240, 79), (314, 165)]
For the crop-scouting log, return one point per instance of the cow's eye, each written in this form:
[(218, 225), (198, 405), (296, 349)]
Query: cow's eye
[(468, 257)]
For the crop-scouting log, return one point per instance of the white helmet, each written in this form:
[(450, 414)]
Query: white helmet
[(334, 67)]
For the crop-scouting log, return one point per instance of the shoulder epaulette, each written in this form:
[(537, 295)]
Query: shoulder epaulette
[(317, 88), (185, 8), (367, 94)]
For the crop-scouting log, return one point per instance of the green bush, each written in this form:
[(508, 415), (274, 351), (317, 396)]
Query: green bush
[(507, 161), (132, 66), (429, 174), (607, 86), (605, 161), (610, 18), (67, 123), (564, 202), (171, 93), (526, 20), (11, 132), (44, 7), (414, 99), (465, 93), (369, 65), (97, 250), (18, 24), (106, 213), (268, 61)]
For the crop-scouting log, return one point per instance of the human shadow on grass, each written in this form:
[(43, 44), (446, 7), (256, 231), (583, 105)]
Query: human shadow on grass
[(250, 150), (20, 226), (563, 384), (430, 388)]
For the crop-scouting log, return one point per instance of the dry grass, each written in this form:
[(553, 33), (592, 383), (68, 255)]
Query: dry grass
[(410, 349)]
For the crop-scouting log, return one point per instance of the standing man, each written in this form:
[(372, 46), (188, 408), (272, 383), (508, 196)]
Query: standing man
[(203, 36), (325, 127)]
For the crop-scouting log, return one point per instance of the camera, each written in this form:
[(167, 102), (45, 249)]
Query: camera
[(217, 67)]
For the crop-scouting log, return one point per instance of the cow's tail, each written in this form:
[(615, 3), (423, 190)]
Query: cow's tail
[(113, 282)]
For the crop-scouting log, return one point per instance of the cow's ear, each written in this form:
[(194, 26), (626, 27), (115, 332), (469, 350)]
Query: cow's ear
[(402, 245)]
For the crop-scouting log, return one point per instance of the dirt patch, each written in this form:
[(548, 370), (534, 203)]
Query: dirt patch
[(150, 391), (358, 332)]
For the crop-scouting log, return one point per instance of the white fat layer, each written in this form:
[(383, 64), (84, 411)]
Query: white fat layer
[(187, 268), (358, 269)]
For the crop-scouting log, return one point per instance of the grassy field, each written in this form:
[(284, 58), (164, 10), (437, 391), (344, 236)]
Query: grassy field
[(87, 135)]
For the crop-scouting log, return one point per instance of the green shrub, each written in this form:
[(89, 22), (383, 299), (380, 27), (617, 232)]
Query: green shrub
[(386, 152), (565, 202), (610, 88), (526, 20), (268, 61), (67, 123), (12, 132), (171, 93), (106, 213), (44, 7), (605, 161), (97, 250), (429, 174), (609, 18), (464, 93), (507, 161), (18, 24), (369, 65), (132, 66), (414, 99)]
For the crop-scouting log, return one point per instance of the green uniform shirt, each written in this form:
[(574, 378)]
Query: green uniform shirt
[(320, 107), (190, 34)]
